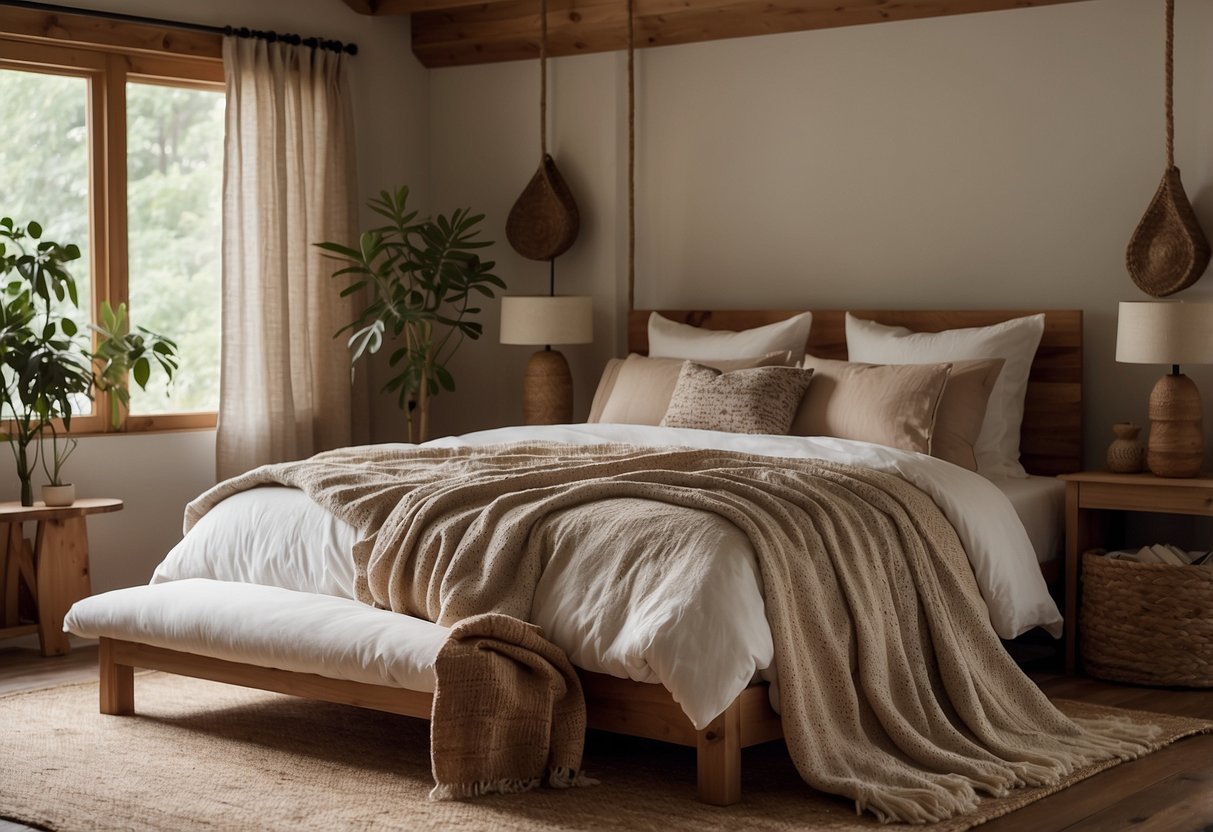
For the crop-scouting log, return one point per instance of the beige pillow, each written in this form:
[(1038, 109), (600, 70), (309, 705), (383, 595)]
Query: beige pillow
[(761, 400), (962, 409), (637, 390), (889, 404)]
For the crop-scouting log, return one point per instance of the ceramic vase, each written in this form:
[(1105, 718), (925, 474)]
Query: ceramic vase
[(1126, 454)]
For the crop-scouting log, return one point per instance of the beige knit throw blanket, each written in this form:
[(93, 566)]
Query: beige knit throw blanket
[(895, 690), (507, 709)]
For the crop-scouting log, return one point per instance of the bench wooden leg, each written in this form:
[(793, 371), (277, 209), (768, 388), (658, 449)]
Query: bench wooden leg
[(117, 683), (719, 759)]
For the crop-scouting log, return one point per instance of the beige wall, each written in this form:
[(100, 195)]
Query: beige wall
[(158, 474), (988, 160)]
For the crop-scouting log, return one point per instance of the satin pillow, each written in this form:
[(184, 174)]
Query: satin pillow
[(888, 404), (962, 409)]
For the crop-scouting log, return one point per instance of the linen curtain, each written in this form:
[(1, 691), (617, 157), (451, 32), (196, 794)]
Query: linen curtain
[(289, 182)]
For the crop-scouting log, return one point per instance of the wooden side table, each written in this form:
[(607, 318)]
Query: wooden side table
[(1095, 506), (55, 570)]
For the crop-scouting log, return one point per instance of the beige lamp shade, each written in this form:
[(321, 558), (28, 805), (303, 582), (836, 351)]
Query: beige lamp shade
[(1170, 333), (1165, 333), (541, 320)]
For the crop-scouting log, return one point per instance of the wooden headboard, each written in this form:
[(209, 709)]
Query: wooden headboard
[(1051, 437)]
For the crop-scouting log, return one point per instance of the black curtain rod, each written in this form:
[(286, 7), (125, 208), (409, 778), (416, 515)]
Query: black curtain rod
[(240, 32)]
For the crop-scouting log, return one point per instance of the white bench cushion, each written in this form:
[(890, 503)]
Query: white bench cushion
[(269, 627)]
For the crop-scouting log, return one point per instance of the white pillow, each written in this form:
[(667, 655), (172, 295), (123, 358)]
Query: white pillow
[(1015, 341), (670, 339)]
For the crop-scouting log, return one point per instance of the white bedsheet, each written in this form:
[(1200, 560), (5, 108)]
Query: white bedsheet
[(1040, 503), (705, 639)]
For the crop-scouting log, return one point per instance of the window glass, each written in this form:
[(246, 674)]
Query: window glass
[(44, 169), (174, 193)]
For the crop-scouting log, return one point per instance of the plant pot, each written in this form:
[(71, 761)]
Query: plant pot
[(59, 495)]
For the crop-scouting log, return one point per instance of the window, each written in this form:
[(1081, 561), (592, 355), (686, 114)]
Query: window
[(122, 154)]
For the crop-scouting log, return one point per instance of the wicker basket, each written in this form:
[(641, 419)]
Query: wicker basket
[(1147, 623)]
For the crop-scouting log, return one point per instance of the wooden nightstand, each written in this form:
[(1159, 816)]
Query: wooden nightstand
[(1094, 500), (54, 570)]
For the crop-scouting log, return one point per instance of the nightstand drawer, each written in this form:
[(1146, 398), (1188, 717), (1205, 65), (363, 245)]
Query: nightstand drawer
[(1173, 499)]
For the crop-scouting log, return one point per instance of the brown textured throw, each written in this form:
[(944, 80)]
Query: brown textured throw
[(507, 710), (895, 690)]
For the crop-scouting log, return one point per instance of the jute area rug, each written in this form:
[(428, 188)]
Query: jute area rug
[(201, 755)]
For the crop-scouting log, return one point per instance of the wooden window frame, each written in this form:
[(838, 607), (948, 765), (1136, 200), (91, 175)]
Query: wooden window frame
[(109, 54)]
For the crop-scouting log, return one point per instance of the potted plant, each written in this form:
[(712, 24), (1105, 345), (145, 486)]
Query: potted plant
[(47, 363), (56, 492), (421, 279)]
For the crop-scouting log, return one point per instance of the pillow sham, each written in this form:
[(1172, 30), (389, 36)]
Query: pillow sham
[(761, 400), (889, 404), (637, 390), (670, 339), (962, 409), (1015, 341)]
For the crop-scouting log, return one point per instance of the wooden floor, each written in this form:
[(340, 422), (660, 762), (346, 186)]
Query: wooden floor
[(1169, 790)]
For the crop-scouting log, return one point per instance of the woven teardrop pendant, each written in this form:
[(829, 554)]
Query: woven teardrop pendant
[(544, 220), (1168, 251)]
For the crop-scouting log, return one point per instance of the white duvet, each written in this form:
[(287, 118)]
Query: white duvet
[(704, 636)]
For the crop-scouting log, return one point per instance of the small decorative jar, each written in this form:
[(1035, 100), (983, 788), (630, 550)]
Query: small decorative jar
[(1126, 454)]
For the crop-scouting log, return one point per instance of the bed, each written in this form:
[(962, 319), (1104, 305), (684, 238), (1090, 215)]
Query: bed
[(618, 672)]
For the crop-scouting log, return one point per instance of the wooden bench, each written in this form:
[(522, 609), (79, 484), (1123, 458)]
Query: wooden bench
[(340, 650)]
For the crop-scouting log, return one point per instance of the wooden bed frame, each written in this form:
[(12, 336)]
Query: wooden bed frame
[(1051, 443)]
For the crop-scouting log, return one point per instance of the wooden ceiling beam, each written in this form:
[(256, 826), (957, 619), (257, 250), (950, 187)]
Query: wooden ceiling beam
[(507, 30), (411, 6)]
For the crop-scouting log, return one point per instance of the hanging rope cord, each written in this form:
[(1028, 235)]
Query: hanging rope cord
[(543, 80), (631, 158), (543, 133), (1170, 82)]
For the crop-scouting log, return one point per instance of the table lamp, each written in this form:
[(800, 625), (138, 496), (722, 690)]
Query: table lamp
[(547, 387), (1170, 333)]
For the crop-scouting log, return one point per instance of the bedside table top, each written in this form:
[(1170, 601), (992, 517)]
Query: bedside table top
[(14, 512), (1141, 480)]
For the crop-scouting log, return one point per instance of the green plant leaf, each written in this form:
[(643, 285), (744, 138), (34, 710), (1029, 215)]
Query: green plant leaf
[(444, 377), (142, 371), (344, 251)]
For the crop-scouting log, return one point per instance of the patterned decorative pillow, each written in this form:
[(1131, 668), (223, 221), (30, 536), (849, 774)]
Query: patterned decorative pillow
[(761, 400)]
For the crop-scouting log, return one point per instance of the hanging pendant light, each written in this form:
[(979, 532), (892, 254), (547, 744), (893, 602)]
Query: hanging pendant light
[(1168, 251), (544, 220)]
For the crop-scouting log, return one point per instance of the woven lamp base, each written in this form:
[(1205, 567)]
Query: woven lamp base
[(1176, 447), (547, 390)]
